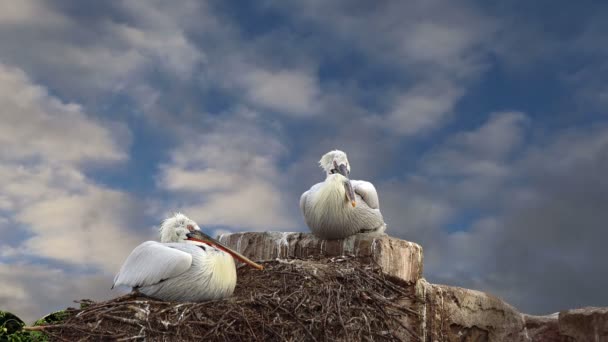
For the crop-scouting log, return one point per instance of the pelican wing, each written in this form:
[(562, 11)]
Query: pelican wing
[(306, 194), (303, 202), (368, 193), (152, 262)]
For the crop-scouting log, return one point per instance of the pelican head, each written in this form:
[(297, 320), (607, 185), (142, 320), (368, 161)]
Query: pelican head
[(179, 228), (335, 161), (176, 228), (336, 165)]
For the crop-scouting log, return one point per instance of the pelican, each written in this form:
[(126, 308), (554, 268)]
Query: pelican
[(340, 207), (187, 265)]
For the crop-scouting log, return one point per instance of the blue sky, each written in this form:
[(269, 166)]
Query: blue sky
[(483, 127)]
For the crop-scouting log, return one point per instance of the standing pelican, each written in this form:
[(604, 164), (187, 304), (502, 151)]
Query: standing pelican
[(187, 265), (339, 207)]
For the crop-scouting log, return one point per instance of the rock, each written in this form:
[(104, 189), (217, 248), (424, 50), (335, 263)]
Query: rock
[(543, 329), (398, 258), (457, 314), (586, 324), (445, 313)]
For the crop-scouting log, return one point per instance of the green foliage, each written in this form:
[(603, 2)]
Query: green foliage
[(24, 336), (9, 323), (53, 318), (11, 327), (85, 303), (11, 330)]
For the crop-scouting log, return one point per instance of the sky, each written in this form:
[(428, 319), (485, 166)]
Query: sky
[(483, 126)]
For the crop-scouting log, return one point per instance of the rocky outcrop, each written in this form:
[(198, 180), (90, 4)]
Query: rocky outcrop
[(586, 324), (543, 328), (457, 314), (445, 313), (398, 258)]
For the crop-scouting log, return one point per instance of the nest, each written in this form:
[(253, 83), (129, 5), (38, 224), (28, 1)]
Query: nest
[(293, 300)]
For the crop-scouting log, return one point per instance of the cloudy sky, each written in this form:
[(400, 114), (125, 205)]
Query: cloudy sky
[(484, 128)]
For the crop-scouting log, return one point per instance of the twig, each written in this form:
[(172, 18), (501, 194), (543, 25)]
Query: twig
[(340, 315)]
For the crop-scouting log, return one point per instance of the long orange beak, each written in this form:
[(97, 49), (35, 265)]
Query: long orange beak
[(350, 192), (199, 236)]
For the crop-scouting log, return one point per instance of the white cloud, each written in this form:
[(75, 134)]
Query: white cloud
[(32, 291), (467, 172), (434, 32), (497, 137), (438, 49), (23, 185), (209, 179), (588, 86), (468, 250), (482, 152), (253, 204), (106, 55), (90, 229), (422, 108), (29, 12), (229, 176), (168, 48), (45, 192), (286, 91), (438, 42), (36, 125), (420, 212)]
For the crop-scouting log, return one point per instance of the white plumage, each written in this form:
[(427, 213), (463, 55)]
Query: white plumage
[(184, 266), (338, 207)]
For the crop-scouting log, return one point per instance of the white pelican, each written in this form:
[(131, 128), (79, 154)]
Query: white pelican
[(339, 207), (187, 265)]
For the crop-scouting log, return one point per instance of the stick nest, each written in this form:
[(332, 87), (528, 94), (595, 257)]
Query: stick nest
[(292, 300)]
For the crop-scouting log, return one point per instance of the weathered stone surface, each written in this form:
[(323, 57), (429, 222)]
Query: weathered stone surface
[(399, 258), (586, 324), (543, 329), (578, 325), (457, 314)]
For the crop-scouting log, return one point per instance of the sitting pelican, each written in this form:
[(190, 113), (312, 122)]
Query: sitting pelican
[(187, 265), (339, 207)]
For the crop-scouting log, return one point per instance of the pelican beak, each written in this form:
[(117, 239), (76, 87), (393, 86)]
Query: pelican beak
[(350, 192), (199, 236)]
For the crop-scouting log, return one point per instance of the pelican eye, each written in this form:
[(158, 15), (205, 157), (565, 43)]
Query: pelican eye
[(190, 227), (332, 171)]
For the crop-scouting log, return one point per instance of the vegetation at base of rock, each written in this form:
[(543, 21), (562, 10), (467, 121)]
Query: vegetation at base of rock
[(9, 323), (11, 330), (327, 299), (53, 318)]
